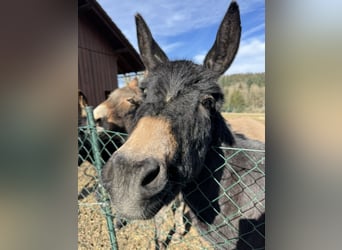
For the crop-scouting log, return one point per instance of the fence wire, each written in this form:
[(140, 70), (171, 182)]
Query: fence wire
[(100, 228)]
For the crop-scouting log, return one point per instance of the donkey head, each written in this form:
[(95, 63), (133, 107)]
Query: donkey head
[(176, 124), (117, 112)]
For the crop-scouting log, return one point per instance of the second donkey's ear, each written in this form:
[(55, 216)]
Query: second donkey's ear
[(151, 53), (223, 52)]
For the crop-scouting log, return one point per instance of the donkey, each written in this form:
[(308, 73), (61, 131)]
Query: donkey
[(175, 146), (114, 114), (117, 111)]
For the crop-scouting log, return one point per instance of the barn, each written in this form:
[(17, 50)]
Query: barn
[(103, 52)]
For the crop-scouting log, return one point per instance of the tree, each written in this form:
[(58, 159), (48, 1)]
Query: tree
[(237, 103)]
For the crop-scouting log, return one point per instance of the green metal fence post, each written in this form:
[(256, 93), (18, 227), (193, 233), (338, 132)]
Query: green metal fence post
[(103, 194)]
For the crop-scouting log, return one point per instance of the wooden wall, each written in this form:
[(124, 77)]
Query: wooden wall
[(97, 62)]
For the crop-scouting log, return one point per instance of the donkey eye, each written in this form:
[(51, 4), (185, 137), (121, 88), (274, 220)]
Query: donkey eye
[(143, 90), (208, 102), (134, 101), (131, 101)]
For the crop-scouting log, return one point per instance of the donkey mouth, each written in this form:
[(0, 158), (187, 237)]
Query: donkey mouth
[(143, 209)]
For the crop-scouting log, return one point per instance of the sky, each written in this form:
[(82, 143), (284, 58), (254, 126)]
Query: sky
[(186, 29)]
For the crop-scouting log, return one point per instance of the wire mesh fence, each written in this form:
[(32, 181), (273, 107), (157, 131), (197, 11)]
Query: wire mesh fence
[(101, 228)]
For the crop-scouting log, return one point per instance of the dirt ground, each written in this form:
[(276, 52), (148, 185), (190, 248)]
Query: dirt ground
[(250, 124), (92, 226)]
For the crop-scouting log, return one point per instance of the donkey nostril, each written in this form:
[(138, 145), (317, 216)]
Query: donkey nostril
[(150, 176)]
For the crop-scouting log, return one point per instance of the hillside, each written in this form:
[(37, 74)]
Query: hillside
[(243, 92)]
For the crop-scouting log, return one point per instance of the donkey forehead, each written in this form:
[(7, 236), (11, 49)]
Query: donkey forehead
[(172, 78)]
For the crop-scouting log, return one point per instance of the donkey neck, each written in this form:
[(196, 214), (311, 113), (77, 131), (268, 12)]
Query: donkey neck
[(203, 191)]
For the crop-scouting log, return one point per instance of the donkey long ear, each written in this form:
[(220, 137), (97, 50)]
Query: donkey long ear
[(151, 53), (222, 54)]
